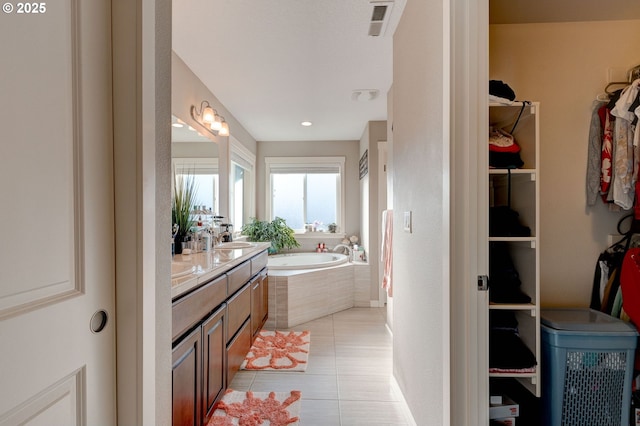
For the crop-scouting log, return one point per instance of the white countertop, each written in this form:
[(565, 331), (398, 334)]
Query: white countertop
[(193, 270)]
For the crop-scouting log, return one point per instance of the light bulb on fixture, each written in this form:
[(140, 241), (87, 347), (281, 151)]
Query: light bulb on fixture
[(208, 115), (216, 124), (224, 130)]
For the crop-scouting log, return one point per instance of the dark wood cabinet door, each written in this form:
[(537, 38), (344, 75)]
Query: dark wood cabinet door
[(187, 380), (264, 284), (256, 305), (259, 302), (214, 368)]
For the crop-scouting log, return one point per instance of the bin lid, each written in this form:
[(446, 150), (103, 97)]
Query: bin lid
[(583, 319)]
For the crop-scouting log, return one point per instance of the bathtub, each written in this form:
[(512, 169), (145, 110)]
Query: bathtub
[(307, 286), (302, 261)]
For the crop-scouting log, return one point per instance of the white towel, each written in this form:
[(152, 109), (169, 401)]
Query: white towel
[(386, 251)]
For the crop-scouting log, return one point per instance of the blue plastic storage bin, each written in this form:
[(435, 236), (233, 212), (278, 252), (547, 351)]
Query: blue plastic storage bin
[(587, 367)]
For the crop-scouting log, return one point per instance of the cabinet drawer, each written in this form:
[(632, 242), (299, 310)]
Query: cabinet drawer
[(192, 308), (238, 276), (237, 350), (258, 263), (238, 310)]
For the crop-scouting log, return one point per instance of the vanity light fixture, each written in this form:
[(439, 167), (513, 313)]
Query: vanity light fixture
[(208, 118)]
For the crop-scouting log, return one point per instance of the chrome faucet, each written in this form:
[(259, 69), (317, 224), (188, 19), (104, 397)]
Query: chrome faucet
[(346, 248), (220, 237)]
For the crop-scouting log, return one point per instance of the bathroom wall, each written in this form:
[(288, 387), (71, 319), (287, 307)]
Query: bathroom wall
[(348, 149), (564, 66), (420, 170), (188, 90)]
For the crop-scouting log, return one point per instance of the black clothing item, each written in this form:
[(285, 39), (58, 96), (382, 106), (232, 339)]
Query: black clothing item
[(504, 280), (507, 351), (505, 160), (501, 89), (504, 222)]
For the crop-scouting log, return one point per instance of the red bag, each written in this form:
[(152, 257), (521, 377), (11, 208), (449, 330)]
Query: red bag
[(630, 284)]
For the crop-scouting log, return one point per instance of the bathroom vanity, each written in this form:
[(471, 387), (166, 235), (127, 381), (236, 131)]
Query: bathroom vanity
[(219, 304)]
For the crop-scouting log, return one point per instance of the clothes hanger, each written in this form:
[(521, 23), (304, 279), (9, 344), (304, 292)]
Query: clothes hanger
[(633, 74)]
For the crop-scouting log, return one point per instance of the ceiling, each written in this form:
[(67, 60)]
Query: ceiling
[(274, 64)]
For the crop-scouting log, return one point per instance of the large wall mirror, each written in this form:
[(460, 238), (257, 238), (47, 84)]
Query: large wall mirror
[(198, 156)]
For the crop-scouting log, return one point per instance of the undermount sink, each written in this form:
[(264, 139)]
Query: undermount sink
[(234, 245), (181, 269)]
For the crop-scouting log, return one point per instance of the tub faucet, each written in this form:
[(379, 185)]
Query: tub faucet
[(346, 249)]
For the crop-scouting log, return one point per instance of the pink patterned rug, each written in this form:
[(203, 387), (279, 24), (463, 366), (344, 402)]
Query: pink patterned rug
[(257, 408), (279, 350)]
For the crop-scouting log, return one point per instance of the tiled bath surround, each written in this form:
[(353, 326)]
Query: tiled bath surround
[(296, 297)]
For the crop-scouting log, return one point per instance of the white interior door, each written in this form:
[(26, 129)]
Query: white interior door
[(57, 323)]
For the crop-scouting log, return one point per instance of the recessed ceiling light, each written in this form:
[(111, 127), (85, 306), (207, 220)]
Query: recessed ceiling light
[(177, 125), (306, 123)]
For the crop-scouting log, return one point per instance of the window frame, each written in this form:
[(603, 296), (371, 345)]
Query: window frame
[(307, 165), (203, 166), (242, 157)]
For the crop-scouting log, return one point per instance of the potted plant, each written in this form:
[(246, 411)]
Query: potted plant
[(184, 198), (277, 232)]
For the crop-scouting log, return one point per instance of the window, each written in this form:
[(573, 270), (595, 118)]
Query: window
[(241, 194), (205, 174), (306, 191)]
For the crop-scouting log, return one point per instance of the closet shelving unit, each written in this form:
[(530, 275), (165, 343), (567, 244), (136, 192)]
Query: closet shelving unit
[(526, 201)]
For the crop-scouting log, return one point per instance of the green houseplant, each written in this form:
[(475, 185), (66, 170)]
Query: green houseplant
[(276, 231), (184, 198)]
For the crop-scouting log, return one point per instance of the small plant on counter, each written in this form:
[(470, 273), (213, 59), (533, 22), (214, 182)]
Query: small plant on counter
[(184, 198), (277, 232)]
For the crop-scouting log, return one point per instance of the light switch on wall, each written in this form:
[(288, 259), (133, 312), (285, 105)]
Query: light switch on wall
[(407, 221)]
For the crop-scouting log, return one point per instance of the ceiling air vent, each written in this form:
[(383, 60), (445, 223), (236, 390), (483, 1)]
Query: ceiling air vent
[(379, 17)]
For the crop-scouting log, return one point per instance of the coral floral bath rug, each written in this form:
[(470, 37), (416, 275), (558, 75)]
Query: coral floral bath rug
[(257, 408), (279, 350)]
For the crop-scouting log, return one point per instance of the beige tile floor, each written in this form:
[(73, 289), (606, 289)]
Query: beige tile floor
[(348, 378)]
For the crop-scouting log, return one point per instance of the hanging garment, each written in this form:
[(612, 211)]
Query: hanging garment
[(606, 277), (630, 284), (623, 191), (387, 251), (594, 156), (607, 150), (627, 98)]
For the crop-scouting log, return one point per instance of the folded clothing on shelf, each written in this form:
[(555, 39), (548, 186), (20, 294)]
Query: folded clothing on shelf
[(502, 141), (508, 351), (504, 280), (505, 160), (505, 222)]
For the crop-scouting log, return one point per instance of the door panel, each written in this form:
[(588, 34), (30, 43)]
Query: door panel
[(56, 165), (38, 114)]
